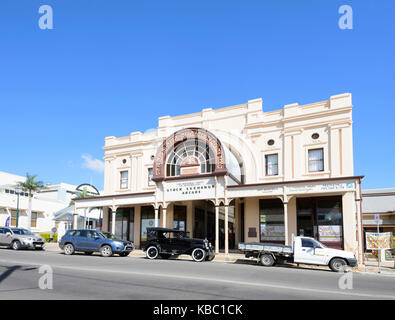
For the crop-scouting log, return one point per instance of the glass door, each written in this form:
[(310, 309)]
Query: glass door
[(180, 218), (305, 217)]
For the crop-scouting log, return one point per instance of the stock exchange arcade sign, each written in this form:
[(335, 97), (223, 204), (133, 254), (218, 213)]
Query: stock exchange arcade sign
[(190, 190)]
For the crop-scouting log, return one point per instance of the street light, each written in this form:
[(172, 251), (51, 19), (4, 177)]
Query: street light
[(18, 190)]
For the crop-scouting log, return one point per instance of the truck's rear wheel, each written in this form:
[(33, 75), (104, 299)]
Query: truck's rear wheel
[(267, 260), (338, 264)]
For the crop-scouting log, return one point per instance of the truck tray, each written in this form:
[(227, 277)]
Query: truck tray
[(267, 247)]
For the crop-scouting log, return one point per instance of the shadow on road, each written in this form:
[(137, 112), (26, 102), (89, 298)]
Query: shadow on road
[(10, 270), (284, 265)]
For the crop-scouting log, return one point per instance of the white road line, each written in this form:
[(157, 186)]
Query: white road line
[(226, 281)]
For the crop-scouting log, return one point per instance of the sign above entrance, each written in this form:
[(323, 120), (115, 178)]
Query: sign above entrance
[(190, 190)]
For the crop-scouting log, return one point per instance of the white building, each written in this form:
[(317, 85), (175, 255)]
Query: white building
[(238, 174), (45, 204)]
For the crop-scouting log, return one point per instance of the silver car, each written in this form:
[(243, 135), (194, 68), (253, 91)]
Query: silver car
[(19, 238)]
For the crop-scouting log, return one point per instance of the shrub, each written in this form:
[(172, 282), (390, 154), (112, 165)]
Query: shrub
[(47, 237)]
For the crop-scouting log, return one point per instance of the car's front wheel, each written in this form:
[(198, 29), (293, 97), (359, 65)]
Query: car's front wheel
[(69, 249), (152, 252), (198, 255), (16, 245), (106, 251), (338, 265)]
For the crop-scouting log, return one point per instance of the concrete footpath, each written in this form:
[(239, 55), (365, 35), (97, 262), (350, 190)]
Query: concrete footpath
[(369, 267)]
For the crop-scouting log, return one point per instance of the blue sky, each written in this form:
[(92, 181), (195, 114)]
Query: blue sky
[(61, 89)]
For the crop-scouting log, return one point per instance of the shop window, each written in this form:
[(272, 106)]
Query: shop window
[(329, 215), (271, 217), (271, 163), (124, 224), (124, 179), (316, 160), (322, 219), (147, 220)]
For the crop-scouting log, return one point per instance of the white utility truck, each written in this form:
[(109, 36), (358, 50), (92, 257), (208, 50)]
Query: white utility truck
[(304, 250)]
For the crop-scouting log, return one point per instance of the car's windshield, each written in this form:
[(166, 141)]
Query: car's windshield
[(22, 231), (319, 244), (108, 235)]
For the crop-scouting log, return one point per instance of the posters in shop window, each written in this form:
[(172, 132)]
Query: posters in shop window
[(330, 233), (146, 223), (272, 233)]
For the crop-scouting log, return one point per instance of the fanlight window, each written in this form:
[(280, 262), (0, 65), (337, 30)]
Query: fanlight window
[(194, 154)]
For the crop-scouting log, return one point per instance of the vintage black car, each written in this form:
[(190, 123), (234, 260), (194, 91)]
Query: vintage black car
[(164, 243)]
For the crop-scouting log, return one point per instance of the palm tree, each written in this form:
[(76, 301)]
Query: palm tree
[(30, 185)]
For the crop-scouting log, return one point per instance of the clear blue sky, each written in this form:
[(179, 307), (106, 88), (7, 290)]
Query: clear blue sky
[(61, 89)]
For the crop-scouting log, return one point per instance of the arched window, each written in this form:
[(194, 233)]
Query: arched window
[(190, 157)]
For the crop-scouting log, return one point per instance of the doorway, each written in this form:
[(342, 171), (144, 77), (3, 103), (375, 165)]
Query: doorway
[(204, 223)]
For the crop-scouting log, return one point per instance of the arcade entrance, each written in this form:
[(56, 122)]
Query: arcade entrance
[(204, 223)]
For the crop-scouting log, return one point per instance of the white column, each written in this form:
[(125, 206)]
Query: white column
[(286, 223), (75, 218), (226, 229), (164, 217), (156, 217), (113, 214), (216, 229)]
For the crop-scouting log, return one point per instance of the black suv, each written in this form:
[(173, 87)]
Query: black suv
[(164, 243)]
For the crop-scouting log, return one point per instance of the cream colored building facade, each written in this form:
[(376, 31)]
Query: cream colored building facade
[(238, 174)]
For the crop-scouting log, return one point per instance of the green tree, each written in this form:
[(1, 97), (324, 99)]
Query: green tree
[(31, 185)]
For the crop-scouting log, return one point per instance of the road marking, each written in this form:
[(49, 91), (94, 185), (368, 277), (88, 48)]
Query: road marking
[(227, 281)]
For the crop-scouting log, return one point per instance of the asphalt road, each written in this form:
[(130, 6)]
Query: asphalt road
[(94, 277)]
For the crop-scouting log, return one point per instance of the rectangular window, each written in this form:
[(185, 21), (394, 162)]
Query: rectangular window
[(124, 179), (150, 175), (34, 220), (271, 164), (13, 218), (316, 160), (271, 217)]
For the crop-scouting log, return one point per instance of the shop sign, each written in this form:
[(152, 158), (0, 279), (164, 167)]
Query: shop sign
[(190, 190), (321, 187), (330, 233), (376, 241)]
